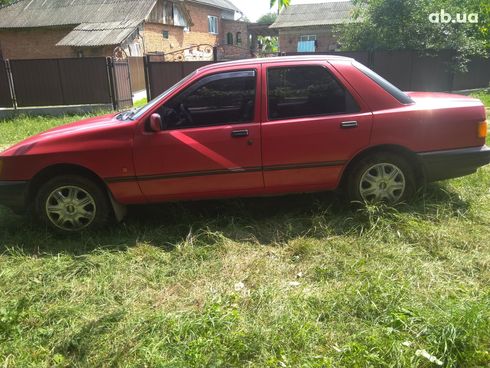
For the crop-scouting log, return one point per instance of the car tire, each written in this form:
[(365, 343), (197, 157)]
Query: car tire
[(71, 203), (381, 177)]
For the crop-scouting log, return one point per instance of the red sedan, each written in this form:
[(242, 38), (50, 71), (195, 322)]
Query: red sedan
[(248, 128)]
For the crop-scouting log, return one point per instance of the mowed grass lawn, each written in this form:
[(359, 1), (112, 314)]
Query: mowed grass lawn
[(295, 281)]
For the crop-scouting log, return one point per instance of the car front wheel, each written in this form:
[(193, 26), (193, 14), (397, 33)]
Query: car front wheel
[(381, 177), (72, 203)]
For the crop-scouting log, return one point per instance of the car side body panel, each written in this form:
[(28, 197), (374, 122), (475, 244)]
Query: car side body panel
[(275, 157), (102, 145)]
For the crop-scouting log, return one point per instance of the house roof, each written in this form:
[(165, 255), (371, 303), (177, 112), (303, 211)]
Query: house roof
[(99, 34), (319, 14), (221, 4), (98, 22), (46, 13)]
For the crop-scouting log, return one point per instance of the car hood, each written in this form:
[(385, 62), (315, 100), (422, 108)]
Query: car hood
[(72, 134)]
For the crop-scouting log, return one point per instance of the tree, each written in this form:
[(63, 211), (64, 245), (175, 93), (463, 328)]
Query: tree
[(280, 4), (419, 25), (270, 44), (267, 18), (5, 2)]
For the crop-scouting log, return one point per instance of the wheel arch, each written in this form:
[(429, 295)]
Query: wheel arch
[(404, 152), (72, 169)]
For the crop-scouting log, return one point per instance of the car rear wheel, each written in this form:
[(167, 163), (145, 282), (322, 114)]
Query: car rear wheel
[(381, 177), (72, 203)]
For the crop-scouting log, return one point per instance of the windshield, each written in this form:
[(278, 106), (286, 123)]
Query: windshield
[(383, 83), (136, 112)]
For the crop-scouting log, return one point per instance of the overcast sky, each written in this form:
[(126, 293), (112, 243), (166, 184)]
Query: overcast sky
[(254, 9)]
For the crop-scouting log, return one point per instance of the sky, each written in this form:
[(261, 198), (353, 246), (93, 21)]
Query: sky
[(254, 9)]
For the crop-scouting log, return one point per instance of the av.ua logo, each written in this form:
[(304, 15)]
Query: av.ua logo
[(443, 17)]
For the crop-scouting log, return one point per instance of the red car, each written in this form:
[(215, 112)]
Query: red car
[(248, 128)]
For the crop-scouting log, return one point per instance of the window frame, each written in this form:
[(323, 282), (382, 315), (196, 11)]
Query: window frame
[(327, 70), (215, 18), (388, 87), (300, 38), (215, 77), (229, 37)]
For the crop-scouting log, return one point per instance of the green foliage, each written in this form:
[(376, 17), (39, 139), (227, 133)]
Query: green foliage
[(267, 18), (269, 44), (405, 25), (483, 96), (280, 4), (296, 281)]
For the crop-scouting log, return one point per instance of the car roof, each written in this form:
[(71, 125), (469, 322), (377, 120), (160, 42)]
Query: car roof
[(273, 60)]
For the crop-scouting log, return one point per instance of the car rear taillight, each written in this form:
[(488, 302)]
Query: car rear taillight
[(482, 129)]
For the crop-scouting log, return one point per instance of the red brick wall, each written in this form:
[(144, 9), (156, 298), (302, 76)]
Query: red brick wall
[(36, 43), (288, 38), (40, 43), (235, 51), (178, 38)]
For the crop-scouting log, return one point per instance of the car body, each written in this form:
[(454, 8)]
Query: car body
[(256, 127)]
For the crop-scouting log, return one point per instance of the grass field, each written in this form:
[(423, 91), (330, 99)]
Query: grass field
[(296, 281)]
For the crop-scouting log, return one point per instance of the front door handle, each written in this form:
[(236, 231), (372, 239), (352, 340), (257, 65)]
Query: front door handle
[(239, 133), (349, 124)]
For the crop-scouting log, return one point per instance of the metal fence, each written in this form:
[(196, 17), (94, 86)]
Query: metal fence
[(5, 97), (61, 82), (418, 71), (161, 75), (137, 70)]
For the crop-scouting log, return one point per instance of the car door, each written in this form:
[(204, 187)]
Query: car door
[(211, 144), (313, 123)]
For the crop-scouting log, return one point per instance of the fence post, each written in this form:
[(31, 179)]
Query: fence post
[(146, 67), (110, 76), (215, 54), (10, 80), (451, 70)]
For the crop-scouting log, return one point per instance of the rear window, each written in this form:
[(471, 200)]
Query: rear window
[(383, 83)]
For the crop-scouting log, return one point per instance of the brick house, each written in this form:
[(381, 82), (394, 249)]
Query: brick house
[(38, 29), (309, 27)]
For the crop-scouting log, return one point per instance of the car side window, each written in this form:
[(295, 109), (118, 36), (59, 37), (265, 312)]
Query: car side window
[(304, 91), (218, 99)]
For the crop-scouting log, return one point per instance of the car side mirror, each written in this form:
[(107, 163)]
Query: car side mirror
[(156, 123)]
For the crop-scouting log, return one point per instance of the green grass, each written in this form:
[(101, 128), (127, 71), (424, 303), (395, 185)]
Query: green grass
[(484, 96), (295, 281), (140, 102)]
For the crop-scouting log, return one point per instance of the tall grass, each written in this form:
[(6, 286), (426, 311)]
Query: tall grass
[(294, 281)]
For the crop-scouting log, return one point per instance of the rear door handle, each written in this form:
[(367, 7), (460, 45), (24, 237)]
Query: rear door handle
[(239, 133), (349, 124)]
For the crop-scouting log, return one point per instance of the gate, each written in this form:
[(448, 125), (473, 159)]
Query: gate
[(58, 82), (5, 94), (121, 80)]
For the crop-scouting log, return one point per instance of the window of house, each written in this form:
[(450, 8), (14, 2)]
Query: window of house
[(229, 38), (213, 24), (295, 92), (223, 98), (307, 43), (165, 34), (179, 19), (239, 38)]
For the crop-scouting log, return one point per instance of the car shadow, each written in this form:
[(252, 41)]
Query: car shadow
[(266, 221)]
